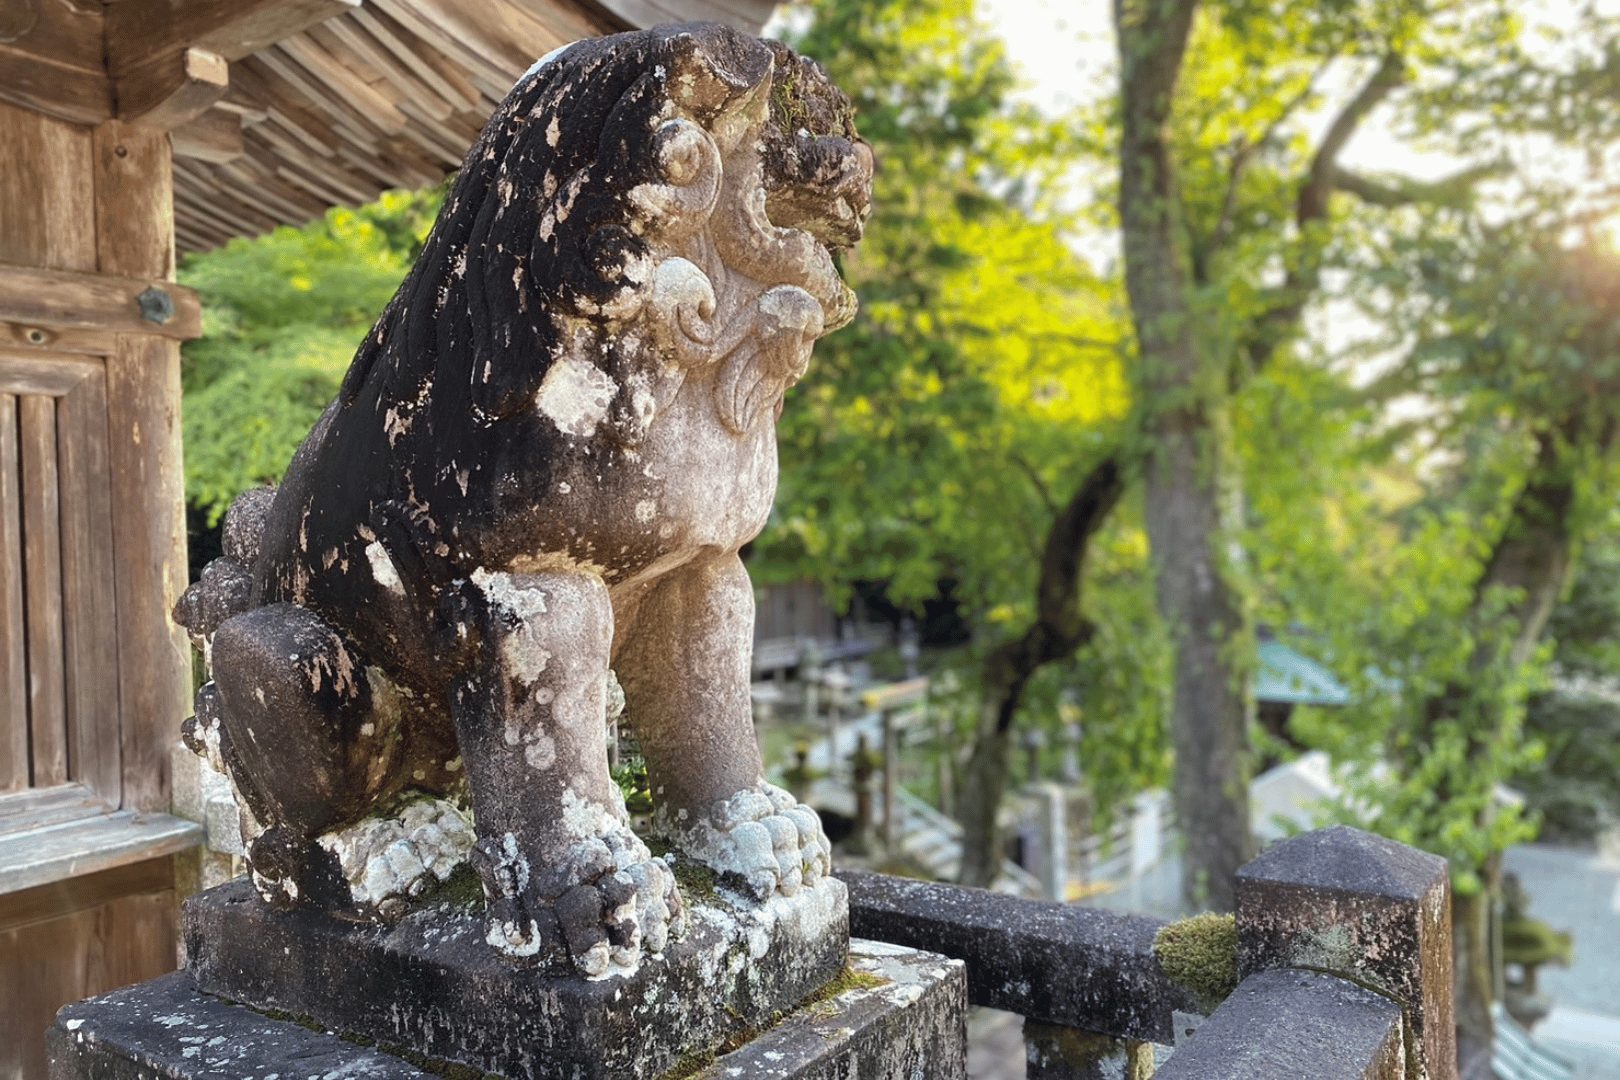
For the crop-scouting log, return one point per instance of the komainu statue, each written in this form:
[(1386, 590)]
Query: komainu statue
[(531, 489)]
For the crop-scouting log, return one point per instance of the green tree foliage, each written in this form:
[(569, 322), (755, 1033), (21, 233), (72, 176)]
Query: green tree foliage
[(283, 315), (933, 437), (943, 435)]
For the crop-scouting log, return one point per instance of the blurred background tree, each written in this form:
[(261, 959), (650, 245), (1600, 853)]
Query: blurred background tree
[(283, 315)]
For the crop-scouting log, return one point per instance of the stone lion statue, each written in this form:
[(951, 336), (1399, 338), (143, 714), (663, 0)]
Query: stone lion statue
[(538, 473)]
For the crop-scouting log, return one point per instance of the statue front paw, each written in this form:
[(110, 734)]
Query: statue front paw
[(604, 906), (761, 839)]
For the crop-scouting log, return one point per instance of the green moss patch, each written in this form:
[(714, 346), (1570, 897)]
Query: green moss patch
[(1200, 954)]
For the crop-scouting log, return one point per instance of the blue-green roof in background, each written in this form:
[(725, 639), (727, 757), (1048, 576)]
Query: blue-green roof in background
[(1286, 677)]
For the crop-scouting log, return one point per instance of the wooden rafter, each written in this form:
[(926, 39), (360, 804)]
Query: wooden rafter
[(172, 89), (140, 30), (214, 136)]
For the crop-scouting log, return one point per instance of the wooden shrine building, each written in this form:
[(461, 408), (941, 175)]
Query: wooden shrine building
[(130, 129)]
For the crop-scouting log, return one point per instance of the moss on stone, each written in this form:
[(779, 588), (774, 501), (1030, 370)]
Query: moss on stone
[(461, 889), (698, 883), (842, 983), (691, 1066), (1200, 954), (696, 1065)]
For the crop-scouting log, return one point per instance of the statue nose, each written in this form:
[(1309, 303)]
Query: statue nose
[(791, 309)]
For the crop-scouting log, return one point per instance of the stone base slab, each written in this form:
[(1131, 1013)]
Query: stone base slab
[(432, 985), (906, 1019)]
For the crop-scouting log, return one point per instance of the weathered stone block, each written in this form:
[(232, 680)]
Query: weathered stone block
[(165, 1028), (1368, 908), (431, 983), (1057, 963), (1284, 1025), (902, 1015)]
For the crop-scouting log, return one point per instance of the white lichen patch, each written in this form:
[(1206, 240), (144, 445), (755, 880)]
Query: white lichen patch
[(523, 650), (760, 837), (382, 568), (575, 395), (541, 753), (391, 858)]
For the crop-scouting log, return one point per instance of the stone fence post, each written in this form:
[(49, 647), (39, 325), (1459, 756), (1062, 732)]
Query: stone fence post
[(1344, 952)]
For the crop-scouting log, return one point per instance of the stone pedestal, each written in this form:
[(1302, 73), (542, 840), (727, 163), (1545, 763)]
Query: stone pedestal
[(895, 1014), (777, 989)]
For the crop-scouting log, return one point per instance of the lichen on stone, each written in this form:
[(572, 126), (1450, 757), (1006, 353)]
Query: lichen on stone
[(1200, 953)]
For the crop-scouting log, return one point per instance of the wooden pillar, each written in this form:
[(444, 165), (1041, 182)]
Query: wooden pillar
[(134, 215)]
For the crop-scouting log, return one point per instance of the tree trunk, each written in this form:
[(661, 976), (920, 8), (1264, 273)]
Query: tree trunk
[(1181, 400), (1475, 977), (1058, 630), (1530, 564)]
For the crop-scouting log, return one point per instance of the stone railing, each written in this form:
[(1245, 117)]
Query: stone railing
[(1336, 966)]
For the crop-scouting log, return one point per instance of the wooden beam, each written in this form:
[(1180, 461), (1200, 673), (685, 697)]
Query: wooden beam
[(139, 30), (51, 61), (73, 849), (66, 93), (172, 89), (62, 298), (214, 137)]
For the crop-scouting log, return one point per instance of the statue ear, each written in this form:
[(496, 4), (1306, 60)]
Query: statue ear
[(712, 67)]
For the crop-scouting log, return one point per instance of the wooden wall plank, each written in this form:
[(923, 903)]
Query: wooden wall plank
[(135, 234), (46, 192), (78, 938), (89, 617), (13, 638), (42, 590)]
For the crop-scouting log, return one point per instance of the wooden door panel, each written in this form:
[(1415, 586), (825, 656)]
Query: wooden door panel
[(59, 710), (42, 590), (13, 638), (71, 939)]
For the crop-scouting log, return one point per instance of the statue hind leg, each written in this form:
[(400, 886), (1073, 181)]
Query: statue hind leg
[(298, 734)]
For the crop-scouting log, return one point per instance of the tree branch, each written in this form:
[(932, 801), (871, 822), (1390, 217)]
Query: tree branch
[(1404, 191), (1318, 186), (1245, 153), (1060, 626), (1281, 319)]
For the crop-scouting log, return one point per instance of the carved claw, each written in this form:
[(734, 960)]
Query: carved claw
[(604, 907), (761, 839), (276, 859)]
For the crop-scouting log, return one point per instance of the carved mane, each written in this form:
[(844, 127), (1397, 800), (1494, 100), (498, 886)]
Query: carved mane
[(600, 216)]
